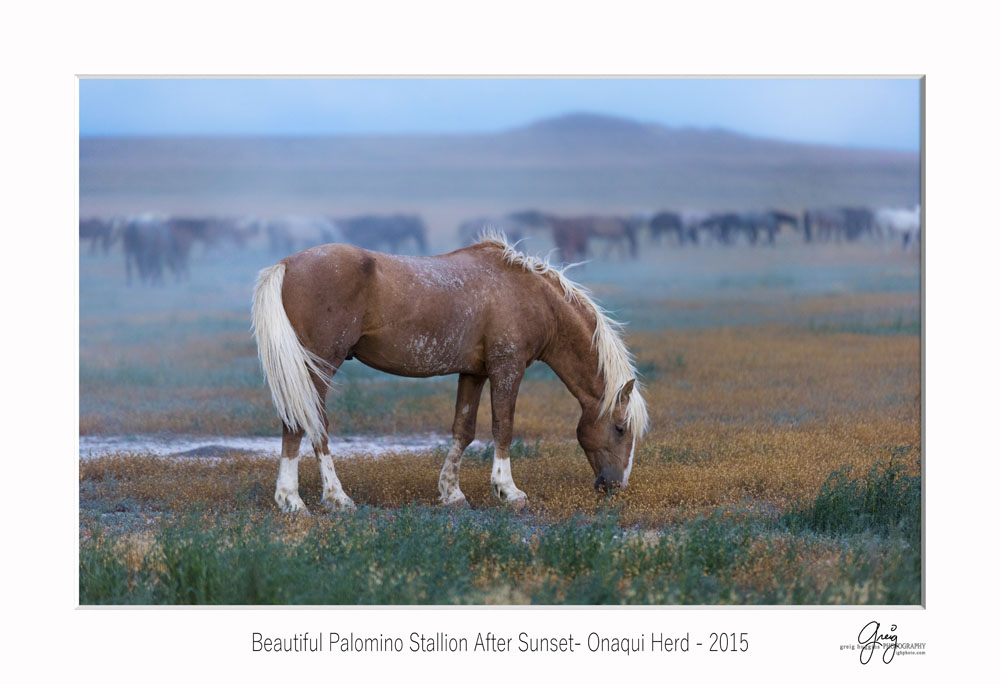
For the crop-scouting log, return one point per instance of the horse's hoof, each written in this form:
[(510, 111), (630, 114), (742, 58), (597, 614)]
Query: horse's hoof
[(296, 510), (291, 504), (516, 499), (339, 505), (455, 501)]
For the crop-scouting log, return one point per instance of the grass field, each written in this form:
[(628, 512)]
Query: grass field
[(783, 464)]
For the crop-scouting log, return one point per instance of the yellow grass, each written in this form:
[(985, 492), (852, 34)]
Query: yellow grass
[(757, 415)]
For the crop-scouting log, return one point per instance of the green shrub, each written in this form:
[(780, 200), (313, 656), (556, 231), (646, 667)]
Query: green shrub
[(884, 500)]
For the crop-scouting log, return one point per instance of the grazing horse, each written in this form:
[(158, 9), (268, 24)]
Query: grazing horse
[(778, 218), (484, 312), (857, 222), (183, 232), (724, 227), (153, 242), (667, 222), (214, 231), (767, 222), (845, 223), (616, 232), (639, 221), (145, 241), (99, 232), (822, 224), (571, 237), (692, 223)]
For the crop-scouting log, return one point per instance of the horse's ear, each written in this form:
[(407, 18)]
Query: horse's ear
[(626, 391)]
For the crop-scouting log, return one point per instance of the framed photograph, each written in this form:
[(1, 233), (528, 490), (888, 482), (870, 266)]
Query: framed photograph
[(446, 340)]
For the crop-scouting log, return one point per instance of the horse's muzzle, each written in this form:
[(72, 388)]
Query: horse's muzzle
[(607, 482)]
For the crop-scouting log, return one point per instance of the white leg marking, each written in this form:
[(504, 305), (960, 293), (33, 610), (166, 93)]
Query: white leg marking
[(286, 493), (448, 482), (502, 483), (334, 496)]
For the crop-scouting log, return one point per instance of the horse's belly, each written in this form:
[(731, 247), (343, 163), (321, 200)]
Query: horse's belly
[(418, 355)]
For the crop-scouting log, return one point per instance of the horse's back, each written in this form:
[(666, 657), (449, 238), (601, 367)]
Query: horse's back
[(411, 315)]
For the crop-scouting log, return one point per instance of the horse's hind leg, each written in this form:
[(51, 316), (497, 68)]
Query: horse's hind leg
[(463, 431), (286, 492), (334, 497)]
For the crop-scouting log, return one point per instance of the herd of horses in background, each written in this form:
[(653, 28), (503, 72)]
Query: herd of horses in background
[(157, 244), (572, 236)]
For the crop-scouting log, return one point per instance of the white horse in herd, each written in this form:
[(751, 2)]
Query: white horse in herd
[(899, 224)]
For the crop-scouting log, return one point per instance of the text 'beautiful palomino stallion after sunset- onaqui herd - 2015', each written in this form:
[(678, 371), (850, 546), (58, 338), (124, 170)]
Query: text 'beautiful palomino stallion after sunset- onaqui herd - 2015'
[(484, 312)]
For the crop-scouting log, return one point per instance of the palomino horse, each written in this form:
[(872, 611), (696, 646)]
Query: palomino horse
[(484, 312)]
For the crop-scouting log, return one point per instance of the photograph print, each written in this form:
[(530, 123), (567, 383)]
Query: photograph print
[(500, 341)]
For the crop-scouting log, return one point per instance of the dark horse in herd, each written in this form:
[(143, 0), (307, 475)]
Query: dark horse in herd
[(571, 235), (154, 244)]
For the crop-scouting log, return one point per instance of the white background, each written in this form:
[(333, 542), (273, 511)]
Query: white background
[(44, 47)]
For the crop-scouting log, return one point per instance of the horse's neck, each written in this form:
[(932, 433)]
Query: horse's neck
[(572, 355)]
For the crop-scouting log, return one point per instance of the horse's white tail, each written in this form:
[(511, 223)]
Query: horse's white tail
[(288, 366)]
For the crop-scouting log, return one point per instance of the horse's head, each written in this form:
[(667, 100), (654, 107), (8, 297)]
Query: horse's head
[(608, 440)]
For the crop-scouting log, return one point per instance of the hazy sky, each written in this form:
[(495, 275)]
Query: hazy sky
[(882, 113)]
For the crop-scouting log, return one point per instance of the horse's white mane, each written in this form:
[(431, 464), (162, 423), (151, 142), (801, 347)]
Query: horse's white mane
[(613, 358)]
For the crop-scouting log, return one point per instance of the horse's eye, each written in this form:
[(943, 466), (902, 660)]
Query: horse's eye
[(621, 430)]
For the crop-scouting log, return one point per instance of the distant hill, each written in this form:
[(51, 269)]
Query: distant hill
[(584, 134), (575, 162)]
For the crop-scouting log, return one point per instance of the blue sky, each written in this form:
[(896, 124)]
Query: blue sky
[(875, 113)]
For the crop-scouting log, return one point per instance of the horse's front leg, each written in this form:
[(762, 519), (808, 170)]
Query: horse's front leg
[(463, 431), (503, 396)]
